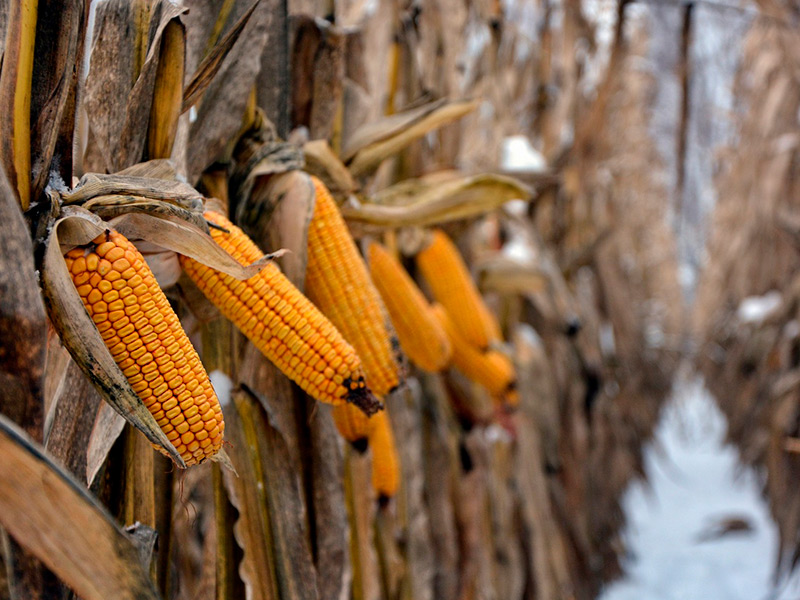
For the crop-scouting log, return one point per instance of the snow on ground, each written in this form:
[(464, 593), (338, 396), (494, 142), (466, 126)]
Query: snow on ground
[(694, 483)]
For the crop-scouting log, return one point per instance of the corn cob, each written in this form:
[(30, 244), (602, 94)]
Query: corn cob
[(420, 334), (453, 287), (338, 282), (385, 462), (491, 369), (353, 425), (282, 323), (148, 344)]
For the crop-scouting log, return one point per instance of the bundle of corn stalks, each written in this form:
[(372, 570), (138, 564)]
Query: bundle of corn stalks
[(747, 307), (176, 179)]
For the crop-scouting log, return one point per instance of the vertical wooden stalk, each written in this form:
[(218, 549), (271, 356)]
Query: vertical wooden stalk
[(15, 97), (168, 93), (360, 501), (139, 501), (141, 10), (163, 473), (683, 123), (228, 584)]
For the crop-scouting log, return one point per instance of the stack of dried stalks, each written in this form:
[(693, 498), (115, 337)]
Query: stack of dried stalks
[(491, 505), (747, 307)]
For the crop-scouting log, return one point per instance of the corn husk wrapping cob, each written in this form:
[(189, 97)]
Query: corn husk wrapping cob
[(146, 340), (282, 323), (421, 336)]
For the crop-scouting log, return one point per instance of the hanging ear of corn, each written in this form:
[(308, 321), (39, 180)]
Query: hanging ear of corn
[(491, 369), (338, 282), (282, 323), (421, 336), (453, 287), (385, 461), (352, 424), (148, 344)]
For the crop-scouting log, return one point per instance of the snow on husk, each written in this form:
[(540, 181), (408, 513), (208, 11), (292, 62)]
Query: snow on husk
[(695, 482)]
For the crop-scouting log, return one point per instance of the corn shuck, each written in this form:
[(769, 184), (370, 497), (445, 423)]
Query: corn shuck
[(148, 344), (282, 323), (338, 282), (421, 336), (491, 369), (452, 286)]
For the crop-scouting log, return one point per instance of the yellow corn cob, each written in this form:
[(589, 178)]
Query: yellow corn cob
[(385, 462), (353, 425), (148, 343), (420, 334), (453, 287), (282, 323), (491, 369), (337, 281)]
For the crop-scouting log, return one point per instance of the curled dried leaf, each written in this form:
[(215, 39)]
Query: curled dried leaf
[(108, 207), (187, 239), (92, 185), (61, 523), (509, 276), (449, 200), (323, 162), (373, 143)]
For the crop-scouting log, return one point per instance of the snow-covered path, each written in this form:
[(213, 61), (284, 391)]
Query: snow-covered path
[(695, 482)]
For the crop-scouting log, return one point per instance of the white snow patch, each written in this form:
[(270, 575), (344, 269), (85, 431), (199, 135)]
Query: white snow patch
[(518, 249), (755, 309), (222, 385), (517, 154), (695, 481), (608, 344), (517, 208)]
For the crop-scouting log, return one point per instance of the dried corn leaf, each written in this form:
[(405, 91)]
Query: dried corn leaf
[(439, 203), (212, 61), (184, 238), (167, 92), (508, 276), (55, 518), (373, 143), (71, 418), (106, 428), (97, 184), (78, 333), (158, 168), (108, 207), (322, 161)]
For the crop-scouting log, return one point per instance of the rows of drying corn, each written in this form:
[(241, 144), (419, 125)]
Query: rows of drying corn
[(336, 344)]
